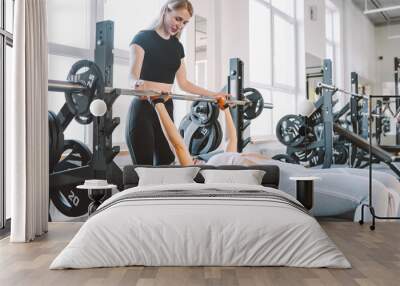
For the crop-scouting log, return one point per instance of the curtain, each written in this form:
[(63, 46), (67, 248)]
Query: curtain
[(27, 129)]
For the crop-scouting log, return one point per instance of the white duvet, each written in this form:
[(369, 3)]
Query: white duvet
[(205, 231)]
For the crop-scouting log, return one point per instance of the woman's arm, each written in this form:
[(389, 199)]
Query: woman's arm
[(231, 134), (136, 56), (189, 87), (172, 134)]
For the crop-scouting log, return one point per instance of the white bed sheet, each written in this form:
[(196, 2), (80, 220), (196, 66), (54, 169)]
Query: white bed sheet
[(200, 232)]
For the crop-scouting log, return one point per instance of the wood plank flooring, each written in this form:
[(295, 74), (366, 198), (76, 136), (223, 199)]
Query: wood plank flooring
[(375, 257)]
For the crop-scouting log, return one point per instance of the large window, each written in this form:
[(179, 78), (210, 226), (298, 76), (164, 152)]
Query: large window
[(6, 41), (332, 34), (273, 64)]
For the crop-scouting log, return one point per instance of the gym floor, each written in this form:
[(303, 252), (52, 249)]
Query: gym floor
[(374, 255)]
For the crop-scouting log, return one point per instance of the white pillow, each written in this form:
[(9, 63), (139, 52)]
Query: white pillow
[(166, 176), (247, 177)]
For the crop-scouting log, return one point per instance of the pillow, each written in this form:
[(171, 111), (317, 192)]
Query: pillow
[(166, 176), (247, 177)]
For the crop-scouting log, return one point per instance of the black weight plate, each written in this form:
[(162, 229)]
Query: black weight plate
[(200, 139), (218, 136), (285, 158), (313, 157), (184, 125), (205, 139), (291, 130), (58, 138), (204, 113), (68, 200), (51, 143), (257, 103), (89, 75), (340, 154), (53, 135)]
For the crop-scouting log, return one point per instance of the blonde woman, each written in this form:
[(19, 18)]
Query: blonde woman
[(156, 59)]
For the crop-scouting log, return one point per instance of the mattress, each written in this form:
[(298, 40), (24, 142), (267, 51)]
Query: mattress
[(201, 225)]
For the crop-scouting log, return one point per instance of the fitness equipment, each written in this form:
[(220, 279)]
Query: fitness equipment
[(310, 138), (200, 139), (71, 162), (197, 128), (242, 115), (89, 75), (80, 164)]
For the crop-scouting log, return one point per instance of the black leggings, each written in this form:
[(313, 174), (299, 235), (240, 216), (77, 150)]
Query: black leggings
[(144, 136)]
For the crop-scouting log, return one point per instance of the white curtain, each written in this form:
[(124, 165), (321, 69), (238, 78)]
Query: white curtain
[(27, 129)]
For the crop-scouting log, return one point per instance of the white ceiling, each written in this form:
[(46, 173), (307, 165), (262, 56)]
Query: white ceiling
[(382, 18)]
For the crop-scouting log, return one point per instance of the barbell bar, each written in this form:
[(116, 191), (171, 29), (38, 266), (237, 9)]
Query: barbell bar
[(335, 89), (63, 86), (76, 87)]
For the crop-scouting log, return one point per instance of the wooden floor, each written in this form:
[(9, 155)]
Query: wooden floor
[(375, 257)]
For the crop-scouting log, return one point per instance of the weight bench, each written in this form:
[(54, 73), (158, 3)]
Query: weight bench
[(377, 152)]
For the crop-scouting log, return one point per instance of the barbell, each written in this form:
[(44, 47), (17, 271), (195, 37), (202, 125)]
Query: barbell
[(333, 88), (85, 82)]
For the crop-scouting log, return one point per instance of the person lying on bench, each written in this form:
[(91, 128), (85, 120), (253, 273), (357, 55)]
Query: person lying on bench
[(230, 156), (340, 190)]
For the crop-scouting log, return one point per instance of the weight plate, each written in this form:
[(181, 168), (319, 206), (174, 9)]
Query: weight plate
[(58, 139), (89, 75), (67, 199), (285, 158), (218, 136), (52, 151), (313, 157), (204, 113), (257, 103), (340, 154), (291, 130), (204, 139)]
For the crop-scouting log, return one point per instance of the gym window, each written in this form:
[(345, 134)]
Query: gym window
[(6, 43), (332, 37), (273, 62)]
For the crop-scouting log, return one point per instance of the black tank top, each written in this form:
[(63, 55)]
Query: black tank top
[(162, 57)]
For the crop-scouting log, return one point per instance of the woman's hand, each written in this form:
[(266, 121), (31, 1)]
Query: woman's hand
[(164, 96), (223, 94), (221, 102)]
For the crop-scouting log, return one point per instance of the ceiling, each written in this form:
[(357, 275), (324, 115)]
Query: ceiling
[(382, 18)]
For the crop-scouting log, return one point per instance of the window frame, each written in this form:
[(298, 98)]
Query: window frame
[(274, 86), (6, 40), (334, 43)]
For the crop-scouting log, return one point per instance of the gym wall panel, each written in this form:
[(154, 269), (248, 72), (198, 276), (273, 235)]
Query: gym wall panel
[(388, 49), (359, 46), (315, 29), (69, 22), (59, 67)]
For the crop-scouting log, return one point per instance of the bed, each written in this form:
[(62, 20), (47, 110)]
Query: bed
[(197, 224)]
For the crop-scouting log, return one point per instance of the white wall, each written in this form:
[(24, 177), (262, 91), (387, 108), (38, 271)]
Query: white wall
[(359, 44), (315, 29), (233, 26), (388, 49)]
